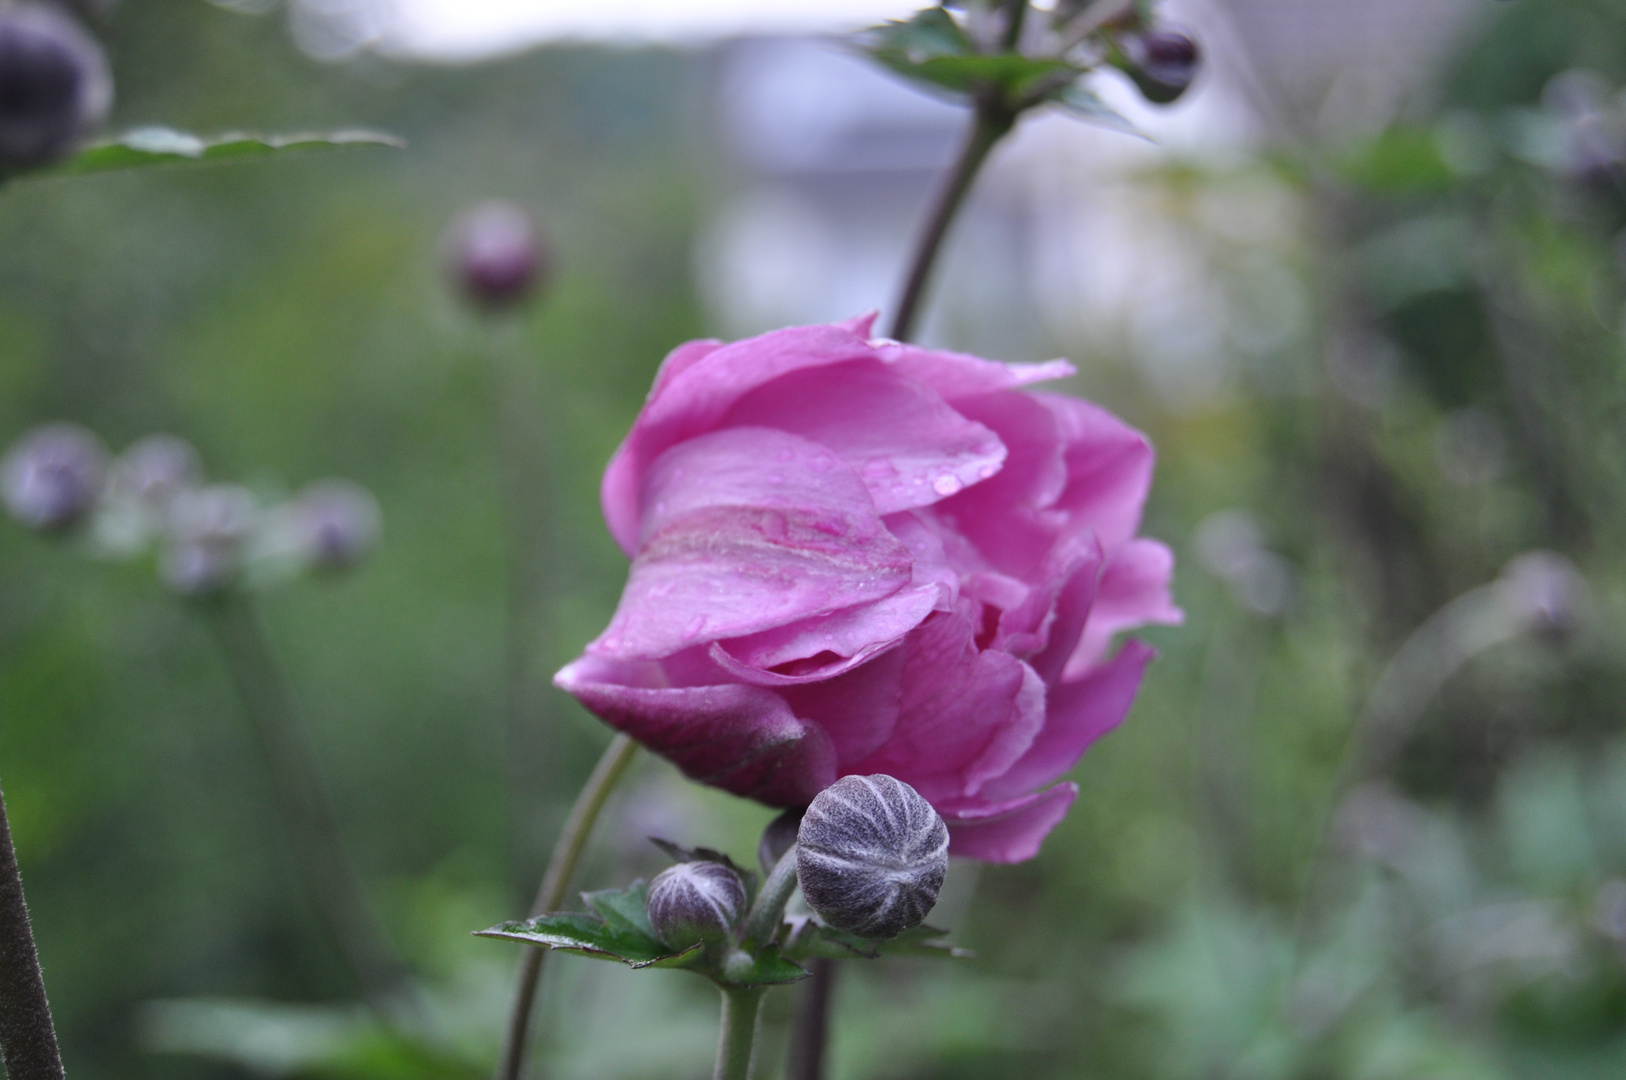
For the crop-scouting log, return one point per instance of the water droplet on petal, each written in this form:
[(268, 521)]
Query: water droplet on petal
[(692, 631), (819, 463), (988, 471), (776, 478), (947, 484), (879, 469), (785, 455)]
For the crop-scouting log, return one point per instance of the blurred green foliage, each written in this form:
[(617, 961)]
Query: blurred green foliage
[(1246, 889)]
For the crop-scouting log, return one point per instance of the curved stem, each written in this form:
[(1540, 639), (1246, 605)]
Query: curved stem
[(737, 1034), (28, 1047), (305, 807), (567, 853), (766, 915), (990, 122)]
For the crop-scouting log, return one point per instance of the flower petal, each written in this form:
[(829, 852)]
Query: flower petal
[(849, 636), (958, 375), (1078, 714), (743, 739), (1008, 832), (697, 385), (746, 530), (908, 446), (1134, 591), (1109, 468)]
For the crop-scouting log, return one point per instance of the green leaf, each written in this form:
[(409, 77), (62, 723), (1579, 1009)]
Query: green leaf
[(574, 931), (164, 146), (1086, 104), (625, 910), (768, 968), (926, 35), (931, 48), (808, 940)]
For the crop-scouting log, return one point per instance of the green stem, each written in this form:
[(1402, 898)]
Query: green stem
[(28, 1047), (567, 853), (991, 121), (737, 1036), (304, 805), (763, 922)]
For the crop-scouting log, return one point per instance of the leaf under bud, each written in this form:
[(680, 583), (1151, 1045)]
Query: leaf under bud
[(1163, 64), (52, 477), (695, 902), (497, 256), (871, 855), (54, 86)]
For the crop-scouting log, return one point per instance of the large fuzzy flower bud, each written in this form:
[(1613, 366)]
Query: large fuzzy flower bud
[(53, 476), (695, 902), (54, 86), (871, 855)]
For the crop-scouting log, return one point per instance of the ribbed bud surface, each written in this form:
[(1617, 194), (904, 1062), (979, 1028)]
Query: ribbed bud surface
[(871, 855), (695, 902)]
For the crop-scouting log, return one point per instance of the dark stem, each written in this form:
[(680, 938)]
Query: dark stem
[(990, 122), (27, 1036), (561, 868), (523, 459), (304, 806), (812, 1032), (1016, 12)]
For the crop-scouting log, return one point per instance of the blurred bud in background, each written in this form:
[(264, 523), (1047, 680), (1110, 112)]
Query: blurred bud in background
[(1545, 593), (496, 256), (54, 86), (333, 524), (209, 531), (141, 486), (1162, 63), (52, 477)]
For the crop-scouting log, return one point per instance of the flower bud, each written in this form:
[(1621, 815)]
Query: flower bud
[(208, 530), (155, 469), (871, 855), (336, 523), (54, 86), (53, 476), (496, 255), (695, 902), (1163, 63)]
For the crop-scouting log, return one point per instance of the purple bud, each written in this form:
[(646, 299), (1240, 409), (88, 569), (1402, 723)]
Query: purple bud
[(695, 902), (155, 469), (1163, 63), (496, 255), (336, 523), (54, 86), (52, 477), (871, 856), (209, 529)]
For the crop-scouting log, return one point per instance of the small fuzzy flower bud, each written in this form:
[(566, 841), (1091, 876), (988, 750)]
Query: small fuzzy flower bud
[(209, 528), (53, 476), (694, 902), (497, 256), (336, 523), (155, 469), (54, 86), (1163, 64), (871, 855)]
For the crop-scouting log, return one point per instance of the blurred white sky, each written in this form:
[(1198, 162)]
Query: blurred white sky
[(457, 29)]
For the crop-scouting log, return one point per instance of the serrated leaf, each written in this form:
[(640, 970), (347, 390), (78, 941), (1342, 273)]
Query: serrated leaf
[(925, 35), (1086, 104), (679, 853), (164, 146), (768, 968), (809, 940), (590, 935), (626, 910)]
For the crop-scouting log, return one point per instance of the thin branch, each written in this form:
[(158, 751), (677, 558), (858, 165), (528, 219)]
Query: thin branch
[(561, 868), (27, 1036)]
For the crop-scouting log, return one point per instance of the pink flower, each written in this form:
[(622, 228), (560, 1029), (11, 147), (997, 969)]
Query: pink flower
[(855, 556)]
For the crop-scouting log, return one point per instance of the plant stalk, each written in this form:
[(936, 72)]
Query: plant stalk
[(991, 121), (28, 1047), (812, 1032), (763, 921), (737, 1034), (305, 807), (567, 853)]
